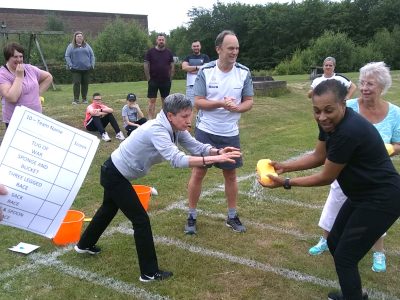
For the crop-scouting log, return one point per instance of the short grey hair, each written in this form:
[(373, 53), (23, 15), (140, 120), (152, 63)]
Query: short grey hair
[(174, 103), (330, 58), (220, 37), (380, 71)]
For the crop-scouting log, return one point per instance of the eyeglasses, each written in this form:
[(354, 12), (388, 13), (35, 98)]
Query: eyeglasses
[(368, 84), (97, 99)]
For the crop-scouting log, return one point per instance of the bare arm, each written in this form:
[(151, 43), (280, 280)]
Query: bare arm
[(202, 103), (245, 105), (45, 81), (140, 113), (12, 92), (396, 148), (188, 68), (308, 161), (226, 154), (172, 70), (146, 66), (107, 110), (99, 111), (328, 174), (351, 91), (126, 119)]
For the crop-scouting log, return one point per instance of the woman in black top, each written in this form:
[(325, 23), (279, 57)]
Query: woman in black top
[(352, 151)]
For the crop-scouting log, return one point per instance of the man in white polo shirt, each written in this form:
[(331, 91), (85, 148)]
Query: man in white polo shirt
[(223, 90)]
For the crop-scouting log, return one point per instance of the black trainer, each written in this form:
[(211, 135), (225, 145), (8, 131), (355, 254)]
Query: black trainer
[(160, 275), (235, 224), (339, 296), (93, 250)]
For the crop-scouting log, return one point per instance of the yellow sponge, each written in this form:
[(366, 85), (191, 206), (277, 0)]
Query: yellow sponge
[(389, 148), (263, 169)]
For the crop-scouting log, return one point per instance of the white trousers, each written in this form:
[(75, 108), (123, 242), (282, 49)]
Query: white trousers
[(335, 200)]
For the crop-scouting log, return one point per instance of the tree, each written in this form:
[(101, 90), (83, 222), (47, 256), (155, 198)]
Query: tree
[(121, 41), (54, 23)]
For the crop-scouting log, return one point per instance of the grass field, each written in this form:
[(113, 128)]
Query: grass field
[(269, 261)]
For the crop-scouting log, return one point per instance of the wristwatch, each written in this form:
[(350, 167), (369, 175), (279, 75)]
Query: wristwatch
[(286, 184)]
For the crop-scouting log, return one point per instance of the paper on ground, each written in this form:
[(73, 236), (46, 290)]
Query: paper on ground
[(24, 248)]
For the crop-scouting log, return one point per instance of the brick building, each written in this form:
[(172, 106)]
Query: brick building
[(91, 23)]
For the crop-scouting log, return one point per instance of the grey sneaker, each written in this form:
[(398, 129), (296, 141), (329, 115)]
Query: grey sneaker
[(84, 101), (235, 224), (190, 226), (75, 102)]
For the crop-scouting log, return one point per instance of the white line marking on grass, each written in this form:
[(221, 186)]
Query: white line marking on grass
[(26, 268), (290, 274), (50, 260), (287, 273), (269, 198)]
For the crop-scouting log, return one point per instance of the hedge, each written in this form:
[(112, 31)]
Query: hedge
[(108, 72)]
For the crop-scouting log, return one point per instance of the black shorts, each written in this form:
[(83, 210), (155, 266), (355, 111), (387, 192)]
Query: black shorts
[(219, 142), (153, 87)]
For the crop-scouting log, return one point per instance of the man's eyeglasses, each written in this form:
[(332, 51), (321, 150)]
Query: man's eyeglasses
[(97, 99)]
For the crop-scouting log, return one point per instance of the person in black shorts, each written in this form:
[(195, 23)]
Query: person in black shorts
[(159, 69)]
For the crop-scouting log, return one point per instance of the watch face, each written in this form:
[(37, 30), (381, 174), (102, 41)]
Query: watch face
[(286, 184)]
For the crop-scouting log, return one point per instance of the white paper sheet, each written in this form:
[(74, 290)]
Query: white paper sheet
[(24, 248), (43, 163)]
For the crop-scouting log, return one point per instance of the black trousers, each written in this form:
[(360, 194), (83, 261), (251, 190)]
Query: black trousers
[(80, 80), (119, 194), (353, 234), (131, 128), (98, 124)]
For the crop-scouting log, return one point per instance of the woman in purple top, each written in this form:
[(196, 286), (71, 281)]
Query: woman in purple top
[(20, 84)]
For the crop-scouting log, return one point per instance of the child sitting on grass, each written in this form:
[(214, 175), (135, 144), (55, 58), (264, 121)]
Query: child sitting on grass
[(131, 114)]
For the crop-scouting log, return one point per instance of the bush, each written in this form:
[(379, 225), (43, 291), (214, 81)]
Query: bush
[(121, 41), (295, 65)]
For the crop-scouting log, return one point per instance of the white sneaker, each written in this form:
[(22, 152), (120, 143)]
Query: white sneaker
[(153, 191), (105, 137), (120, 136)]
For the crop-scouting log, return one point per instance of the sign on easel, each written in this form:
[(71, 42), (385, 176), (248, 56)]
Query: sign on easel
[(43, 163)]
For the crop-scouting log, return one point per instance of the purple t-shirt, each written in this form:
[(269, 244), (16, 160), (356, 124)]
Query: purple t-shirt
[(160, 64), (30, 91)]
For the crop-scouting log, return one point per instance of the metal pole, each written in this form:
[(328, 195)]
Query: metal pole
[(42, 57)]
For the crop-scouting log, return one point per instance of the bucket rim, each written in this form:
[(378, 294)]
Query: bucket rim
[(75, 211), (142, 185)]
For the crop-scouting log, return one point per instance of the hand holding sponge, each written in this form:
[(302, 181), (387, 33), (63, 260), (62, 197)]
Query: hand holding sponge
[(389, 148), (264, 168)]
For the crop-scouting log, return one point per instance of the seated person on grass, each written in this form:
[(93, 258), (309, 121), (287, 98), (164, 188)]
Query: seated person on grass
[(98, 115), (131, 114)]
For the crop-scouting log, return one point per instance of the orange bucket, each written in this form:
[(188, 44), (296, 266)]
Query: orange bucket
[(144, 193), (70, 229)]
